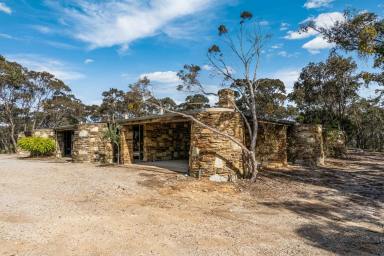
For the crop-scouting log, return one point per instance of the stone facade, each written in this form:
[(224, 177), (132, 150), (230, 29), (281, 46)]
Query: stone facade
[(212, 153), (163, 139), (167, 141), (306, 144), (126, 148), (271, 147), (88, 144), (226, 99)]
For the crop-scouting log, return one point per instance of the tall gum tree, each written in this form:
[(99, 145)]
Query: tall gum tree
[(242, 48)]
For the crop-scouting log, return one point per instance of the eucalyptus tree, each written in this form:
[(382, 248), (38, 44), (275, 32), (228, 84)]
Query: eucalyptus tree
[(43, 87), (362, 33), (195, 101), (244, 47), (14, 93), (325, 90)]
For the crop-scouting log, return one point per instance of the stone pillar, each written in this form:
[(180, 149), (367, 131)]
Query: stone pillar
[(89, 144), (306, 144), (212, 153), (126, 147), (226, 99)]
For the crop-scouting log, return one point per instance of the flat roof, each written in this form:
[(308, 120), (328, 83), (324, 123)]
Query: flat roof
[(170, 117)]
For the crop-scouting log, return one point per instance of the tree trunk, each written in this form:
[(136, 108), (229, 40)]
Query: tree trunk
[(254, 166)]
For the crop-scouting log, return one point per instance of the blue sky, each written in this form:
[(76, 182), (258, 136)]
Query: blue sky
[(96, 45)]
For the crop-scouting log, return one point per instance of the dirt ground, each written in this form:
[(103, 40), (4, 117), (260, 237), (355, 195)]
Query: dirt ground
[(56, 208)]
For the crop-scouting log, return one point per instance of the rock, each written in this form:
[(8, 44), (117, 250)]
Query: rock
[(218, 178)]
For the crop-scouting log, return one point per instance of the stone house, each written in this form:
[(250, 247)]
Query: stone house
[(171, 137), (175, 138), (81, 142), (84, 143)]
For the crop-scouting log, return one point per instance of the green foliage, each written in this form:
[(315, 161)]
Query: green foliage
[(112, 133), (362, 33), (270, 97), (37, 146), (325, 90), (196, 101)]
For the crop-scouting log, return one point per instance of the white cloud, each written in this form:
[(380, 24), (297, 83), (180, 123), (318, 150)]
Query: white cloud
[(53, 66), (166, 77), (323, 20), (318, 43), (285, 54), (120, 22), (264, 23), (6, 36), (88, 61), (294, 35), (328, 20), (288, 76), (277, 46), (312, 4), (284, 26), (207, 67), (42, 29), (4, 8)]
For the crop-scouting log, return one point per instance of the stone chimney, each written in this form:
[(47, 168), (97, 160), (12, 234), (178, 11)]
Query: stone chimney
[(226, 98)]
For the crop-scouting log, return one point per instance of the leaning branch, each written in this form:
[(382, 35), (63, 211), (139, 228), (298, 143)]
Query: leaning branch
[(192, 118)]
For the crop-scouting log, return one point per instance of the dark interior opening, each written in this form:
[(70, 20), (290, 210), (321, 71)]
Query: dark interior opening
[(67, 139), (138, 142)]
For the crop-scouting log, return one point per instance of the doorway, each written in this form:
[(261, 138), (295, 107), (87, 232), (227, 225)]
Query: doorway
[(67, 139), (138, 142)]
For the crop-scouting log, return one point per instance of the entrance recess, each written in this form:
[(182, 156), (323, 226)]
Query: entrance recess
[(67, 139), (138, 142)]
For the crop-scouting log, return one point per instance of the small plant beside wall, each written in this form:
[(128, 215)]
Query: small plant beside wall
[(113, 134), (37, 146)]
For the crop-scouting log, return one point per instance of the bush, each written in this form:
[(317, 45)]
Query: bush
[(37, 146)]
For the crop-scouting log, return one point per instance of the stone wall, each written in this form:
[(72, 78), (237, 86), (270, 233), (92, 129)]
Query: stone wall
[(305, 144), (166, 141), (162, 141), (212, 153), (59, 144), (126, 147), (88, 143), (271, 147)]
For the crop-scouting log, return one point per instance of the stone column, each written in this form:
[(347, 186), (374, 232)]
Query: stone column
[(212, 153), (226, 99), (126, 147), (306, 144)]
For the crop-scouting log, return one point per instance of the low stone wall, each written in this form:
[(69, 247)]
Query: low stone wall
[(89, 144), (212, 153), (305, 145), (271, 147)]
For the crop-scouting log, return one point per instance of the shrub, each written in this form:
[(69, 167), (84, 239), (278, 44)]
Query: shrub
[(37, 146)]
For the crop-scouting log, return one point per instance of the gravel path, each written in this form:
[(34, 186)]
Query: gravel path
[(57, 208)]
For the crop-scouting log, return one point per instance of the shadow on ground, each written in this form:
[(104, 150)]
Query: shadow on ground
[(344, 208)]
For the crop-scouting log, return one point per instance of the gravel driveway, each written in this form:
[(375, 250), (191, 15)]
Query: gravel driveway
[(58, 208)]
